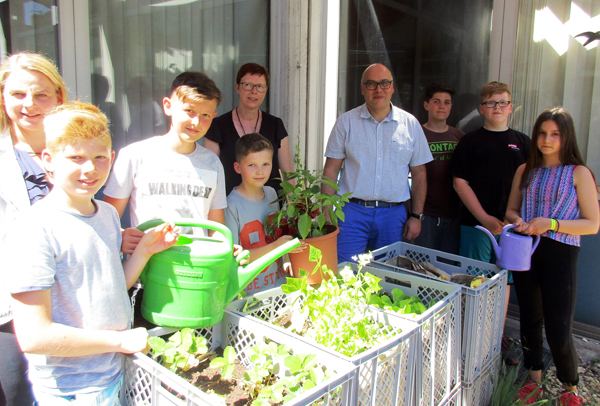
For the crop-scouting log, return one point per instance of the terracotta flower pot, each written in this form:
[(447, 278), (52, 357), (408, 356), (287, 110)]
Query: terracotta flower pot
[(328, 245)]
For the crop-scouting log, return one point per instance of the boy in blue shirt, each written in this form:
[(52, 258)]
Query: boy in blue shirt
[(249, 204), (71, 309)]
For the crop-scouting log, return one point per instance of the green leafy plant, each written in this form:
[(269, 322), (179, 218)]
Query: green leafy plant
[(275, 374), (303, 205), (506, 387), (226, 363), (180, 351), (337, 314), (399, 303)]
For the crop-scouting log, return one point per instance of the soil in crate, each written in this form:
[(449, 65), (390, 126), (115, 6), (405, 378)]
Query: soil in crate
[(208, 380)]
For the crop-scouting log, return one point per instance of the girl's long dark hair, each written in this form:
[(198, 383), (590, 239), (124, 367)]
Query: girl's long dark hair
[(569, 151)]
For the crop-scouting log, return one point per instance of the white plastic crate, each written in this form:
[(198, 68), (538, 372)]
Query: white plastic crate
[(148, 383), (455, 398), (385, 372), (439, 369), (479, 392), (482, 307)]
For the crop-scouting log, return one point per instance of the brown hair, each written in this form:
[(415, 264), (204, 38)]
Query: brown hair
[(569, 151), (492, 88), (252, 69), (72, 123), (438, 87), (31, 62), (249, 143), (195, 87)]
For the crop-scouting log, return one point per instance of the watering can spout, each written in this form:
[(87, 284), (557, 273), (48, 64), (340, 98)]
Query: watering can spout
[(497, 248), (241, 276)]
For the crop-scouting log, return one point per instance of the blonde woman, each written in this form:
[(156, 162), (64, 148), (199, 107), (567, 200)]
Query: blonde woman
[(31, 87)]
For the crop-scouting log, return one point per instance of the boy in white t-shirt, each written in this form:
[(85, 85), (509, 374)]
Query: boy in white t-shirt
[(171, 176), (71, 310), (249, 204)]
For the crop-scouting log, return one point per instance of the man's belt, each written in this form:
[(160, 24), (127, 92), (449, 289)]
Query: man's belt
[(376, 203)]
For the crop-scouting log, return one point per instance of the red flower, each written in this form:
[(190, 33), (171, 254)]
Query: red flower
[(292, 231)]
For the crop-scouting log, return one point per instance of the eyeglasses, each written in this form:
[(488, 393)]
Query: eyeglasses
[(249, 87), (372, 85), (492, 104)]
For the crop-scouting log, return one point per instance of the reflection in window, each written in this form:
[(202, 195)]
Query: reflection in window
[(422, 42), (554, 68), (29, 26), (139, 46)]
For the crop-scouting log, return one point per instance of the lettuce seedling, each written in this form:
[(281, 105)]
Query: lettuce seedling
[(180, 351)]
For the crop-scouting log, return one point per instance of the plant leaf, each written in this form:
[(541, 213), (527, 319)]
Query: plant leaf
[(304, 225), (218, 362), (293, 363), (227, 372), (229, 354), (314, 254)]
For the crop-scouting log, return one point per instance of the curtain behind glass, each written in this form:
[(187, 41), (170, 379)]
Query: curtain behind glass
[(421, 41), (139, 46), (554, 68), (28, 26)]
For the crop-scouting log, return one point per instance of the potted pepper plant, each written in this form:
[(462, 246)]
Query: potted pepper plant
[(302, 215)]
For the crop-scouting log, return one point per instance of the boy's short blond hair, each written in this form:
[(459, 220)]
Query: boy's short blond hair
[(31, 62), (72, 123), (492, 88), (195, 87)]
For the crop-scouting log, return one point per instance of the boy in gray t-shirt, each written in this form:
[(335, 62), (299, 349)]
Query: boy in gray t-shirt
[(71, 309), (249, 204)]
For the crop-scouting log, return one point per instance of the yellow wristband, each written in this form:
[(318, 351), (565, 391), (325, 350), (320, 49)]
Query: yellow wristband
[(552, 224)]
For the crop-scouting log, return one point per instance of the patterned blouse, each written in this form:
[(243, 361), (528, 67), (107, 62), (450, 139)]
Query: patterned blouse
[(551, 193), (35, 179)]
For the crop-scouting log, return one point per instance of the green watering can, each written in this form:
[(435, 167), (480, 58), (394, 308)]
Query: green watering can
[(189, 284)]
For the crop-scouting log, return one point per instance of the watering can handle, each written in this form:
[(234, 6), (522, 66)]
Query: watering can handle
[(208, 224)]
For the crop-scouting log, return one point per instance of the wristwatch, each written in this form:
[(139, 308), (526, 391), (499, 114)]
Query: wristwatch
[(418, 216)]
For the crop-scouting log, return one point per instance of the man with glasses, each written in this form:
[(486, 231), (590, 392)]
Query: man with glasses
[(483, 166), (378, 144)]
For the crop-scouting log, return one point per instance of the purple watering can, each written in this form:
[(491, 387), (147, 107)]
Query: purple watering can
[(515, 250)]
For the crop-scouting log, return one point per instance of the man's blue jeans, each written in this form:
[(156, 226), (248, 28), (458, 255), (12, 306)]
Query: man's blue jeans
[(368, 228)]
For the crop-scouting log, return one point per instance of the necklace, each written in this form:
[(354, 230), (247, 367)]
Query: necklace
[(242, 125)]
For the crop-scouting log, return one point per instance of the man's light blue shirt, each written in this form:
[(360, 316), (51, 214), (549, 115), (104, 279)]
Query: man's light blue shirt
[(377, 156)]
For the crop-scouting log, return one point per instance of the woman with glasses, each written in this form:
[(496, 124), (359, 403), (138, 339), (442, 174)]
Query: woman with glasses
[(252, 83)]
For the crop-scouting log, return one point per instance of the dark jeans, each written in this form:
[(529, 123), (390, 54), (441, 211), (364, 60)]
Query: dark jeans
[(439, 233), (547, 295), (15, 389)]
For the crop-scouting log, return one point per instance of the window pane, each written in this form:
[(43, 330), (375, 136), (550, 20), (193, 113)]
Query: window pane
[(29, 26), (422, 42), (139, 46), (554, 67)]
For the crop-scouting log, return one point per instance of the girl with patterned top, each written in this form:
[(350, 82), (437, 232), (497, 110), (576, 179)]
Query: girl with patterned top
[(553, 195)]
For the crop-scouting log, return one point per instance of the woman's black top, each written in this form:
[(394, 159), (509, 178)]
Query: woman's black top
[(223, 132)]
